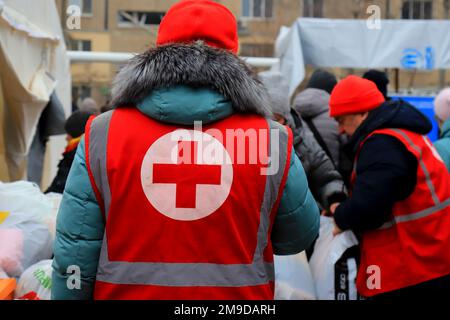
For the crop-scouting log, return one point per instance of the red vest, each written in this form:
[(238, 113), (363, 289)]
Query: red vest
[(180, 222), (414, 246)]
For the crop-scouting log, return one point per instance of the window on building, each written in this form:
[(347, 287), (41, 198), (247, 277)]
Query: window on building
[(415, 9), (139, 18), (257, 8), (313, 8), (81, 45), (84, 5)]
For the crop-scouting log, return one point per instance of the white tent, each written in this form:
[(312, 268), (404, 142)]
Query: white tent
[(403, 44), (33, 63)]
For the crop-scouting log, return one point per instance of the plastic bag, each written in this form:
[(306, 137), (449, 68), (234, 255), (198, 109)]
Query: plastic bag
[(36, 282), (23, 242), (293, 279), (3, 274), (26, 226), (7, 287), (334, 263), (26, 197), (50, 219)]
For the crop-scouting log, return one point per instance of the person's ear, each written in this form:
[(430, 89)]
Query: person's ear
[(364, 115)]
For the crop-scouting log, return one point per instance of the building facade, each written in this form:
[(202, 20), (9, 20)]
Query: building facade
[(132, 25)]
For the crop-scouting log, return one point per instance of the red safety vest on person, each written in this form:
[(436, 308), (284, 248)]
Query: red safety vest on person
[(413, 247), (188, 212)]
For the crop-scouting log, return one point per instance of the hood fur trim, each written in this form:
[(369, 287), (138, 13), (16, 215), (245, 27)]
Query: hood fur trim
[(195, 65)]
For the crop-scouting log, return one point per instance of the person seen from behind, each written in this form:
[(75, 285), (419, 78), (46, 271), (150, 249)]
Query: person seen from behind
[(152, 209), (312, 104)]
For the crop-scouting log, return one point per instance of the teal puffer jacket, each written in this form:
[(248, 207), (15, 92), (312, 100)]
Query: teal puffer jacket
[(80, 226), (443, 144)]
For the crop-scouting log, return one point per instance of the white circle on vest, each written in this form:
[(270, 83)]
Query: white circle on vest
[(186, 175)]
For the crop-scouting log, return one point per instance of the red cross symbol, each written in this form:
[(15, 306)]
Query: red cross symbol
[(186, 174)]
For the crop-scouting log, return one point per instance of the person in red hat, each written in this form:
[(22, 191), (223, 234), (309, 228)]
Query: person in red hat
[(186, 189), (400, 196)]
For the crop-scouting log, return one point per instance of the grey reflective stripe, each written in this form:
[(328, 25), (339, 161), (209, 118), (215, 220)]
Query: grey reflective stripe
[(417, 215), (422, 165), (185, 274), (201, 274), (426, 212), (98, 137)]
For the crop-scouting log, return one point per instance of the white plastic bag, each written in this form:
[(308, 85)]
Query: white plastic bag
[(36, 282), (26, 197), (27, 224), (50, 219), (293, 279), (334, 263), (3, 274)]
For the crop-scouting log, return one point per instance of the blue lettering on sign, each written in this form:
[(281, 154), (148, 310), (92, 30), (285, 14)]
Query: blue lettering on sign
[(429, 58), (415, 59)]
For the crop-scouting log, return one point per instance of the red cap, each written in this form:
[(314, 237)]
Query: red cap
[(354, 95), (191, 20)]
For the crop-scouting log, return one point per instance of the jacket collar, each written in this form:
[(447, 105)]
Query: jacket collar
[(192, 65), (391, 114), (184, 105), (72, 144)]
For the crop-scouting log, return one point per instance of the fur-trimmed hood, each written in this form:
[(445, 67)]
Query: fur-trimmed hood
[(195, 65)]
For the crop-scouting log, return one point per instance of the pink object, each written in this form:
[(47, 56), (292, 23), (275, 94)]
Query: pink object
[(11, 250)]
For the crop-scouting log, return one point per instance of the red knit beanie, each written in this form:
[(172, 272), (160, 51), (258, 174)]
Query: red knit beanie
[(354, 95), (191, 20)]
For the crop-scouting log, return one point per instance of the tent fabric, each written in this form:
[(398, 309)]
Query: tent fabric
[(403, 44), (33, 64)]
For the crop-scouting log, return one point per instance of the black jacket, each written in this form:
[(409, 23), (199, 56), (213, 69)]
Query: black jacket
[(59, 182), (324, 180), (386, 170)]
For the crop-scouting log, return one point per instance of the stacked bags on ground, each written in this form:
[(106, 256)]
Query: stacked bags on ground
[(27, 232)]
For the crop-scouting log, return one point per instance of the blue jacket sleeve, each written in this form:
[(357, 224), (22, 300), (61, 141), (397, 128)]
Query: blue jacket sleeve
[(297, 221), (79, 234)]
